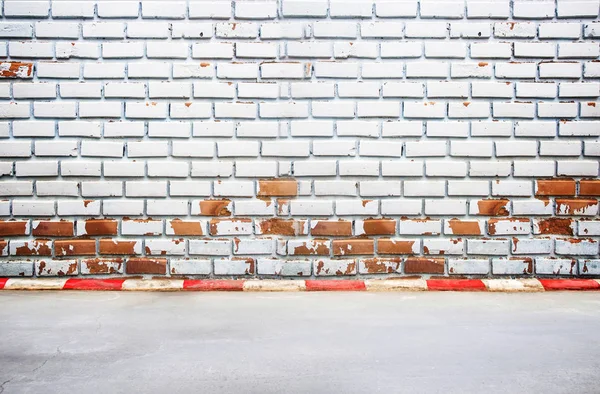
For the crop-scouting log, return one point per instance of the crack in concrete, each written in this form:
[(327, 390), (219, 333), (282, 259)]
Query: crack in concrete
[(3, 384), (46, 360)]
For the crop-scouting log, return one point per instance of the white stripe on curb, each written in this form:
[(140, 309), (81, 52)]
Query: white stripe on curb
[(513, 285), (274, 285), (35, 284), (396, 284), (153, 285)]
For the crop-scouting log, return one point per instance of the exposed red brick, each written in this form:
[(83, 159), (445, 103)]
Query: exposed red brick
[(574, 206), (559, 226), (56, 267), (13, 228), (555, 187), (186, 227), (316, 247), (493, 207), (283, 205), (101, 266), (378, 227), (331, 228), (138, 266), (589, 187), (394, 246), (3, 246), (349, 247), (335, 267), (289, 227), (278, 187), (109, 246), (101, 227), (38, 247), (418, 265), (464, 227), (16, 70), (378, 265), (75, 247), (215, 208), (47, 228)]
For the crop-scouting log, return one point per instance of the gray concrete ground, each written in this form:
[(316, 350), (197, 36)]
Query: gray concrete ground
[(71, 342)]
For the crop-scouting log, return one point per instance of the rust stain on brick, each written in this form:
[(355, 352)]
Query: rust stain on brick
[(365, 202), (204, 64), (464, 227), (482, 64)]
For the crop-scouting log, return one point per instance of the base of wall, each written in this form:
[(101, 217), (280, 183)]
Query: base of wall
[(270, 285)]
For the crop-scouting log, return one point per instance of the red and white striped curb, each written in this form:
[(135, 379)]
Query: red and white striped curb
[(265, 285)]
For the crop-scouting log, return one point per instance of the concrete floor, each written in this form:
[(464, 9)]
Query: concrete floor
[(70, 342)]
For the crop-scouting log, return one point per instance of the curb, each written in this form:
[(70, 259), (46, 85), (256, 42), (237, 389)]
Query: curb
[(271, 285)]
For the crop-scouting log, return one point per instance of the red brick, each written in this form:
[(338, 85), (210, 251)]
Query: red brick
[(418, 265), (349, 247), (277, 187), (555, 187), (136, 266), (75, 247), (589, 187), (47, 228)]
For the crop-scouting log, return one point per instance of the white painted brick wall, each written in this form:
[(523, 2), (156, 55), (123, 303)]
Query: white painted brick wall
[(201, 135)]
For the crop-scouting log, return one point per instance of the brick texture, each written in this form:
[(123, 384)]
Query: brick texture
[(299, 138)]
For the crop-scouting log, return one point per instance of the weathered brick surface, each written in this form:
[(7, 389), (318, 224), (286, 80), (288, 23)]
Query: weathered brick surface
[(237, 139)]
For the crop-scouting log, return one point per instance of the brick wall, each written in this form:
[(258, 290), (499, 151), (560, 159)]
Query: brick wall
[(299, 138)]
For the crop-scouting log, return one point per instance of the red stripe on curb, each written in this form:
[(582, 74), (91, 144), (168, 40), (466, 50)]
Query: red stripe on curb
[(94, 284), (3, 282), (335, 285), (213, 285), (569, 284), (455, 285)]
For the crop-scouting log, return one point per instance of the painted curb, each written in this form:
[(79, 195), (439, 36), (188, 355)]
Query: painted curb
[(274, 285)]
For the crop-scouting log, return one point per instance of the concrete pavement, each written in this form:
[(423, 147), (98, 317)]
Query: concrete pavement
[(114, 342)]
